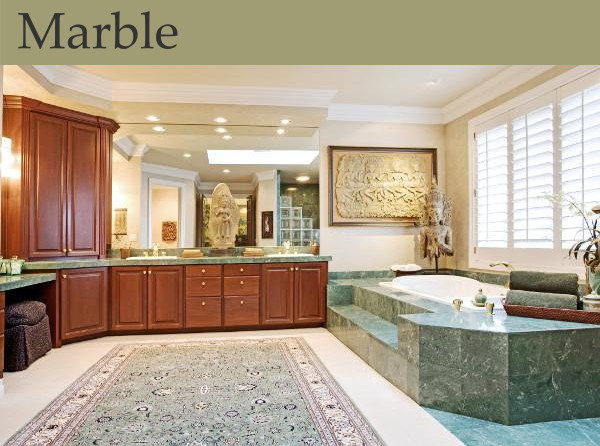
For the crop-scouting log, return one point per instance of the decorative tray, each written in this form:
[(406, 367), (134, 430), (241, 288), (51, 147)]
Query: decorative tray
[(557, 314)]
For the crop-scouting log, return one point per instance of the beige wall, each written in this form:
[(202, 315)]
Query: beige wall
[(367, 248), (126, 193), (165, 207), (457, 164), (266, 200)]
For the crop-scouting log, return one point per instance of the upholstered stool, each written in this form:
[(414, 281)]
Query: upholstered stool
[(27, 334)]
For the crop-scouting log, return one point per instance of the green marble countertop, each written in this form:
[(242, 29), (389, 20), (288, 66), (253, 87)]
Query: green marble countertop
[(13, 282), (69, 264)]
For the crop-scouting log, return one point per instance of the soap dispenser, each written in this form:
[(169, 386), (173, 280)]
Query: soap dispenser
[(480, 299)]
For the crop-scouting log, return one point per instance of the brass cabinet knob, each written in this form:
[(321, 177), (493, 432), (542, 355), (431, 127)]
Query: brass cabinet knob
[(241, 302), (65, 250), (297, 268), (241, 282), (70, 250), (149, 271), (203, 303), (203, 283), (241, 270), (144, 272), (291, 268), (64, 276), (203, 271)]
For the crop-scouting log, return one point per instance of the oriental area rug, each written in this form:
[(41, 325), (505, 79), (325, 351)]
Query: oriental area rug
[(217, 392)]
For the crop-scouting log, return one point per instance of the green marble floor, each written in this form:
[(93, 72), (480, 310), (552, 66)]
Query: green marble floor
[(475, 432)]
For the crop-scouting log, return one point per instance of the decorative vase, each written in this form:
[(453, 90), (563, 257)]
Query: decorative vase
[(594, 280)]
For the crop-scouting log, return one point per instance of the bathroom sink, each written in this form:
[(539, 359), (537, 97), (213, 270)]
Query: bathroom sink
[(290, 254), (152, 258)]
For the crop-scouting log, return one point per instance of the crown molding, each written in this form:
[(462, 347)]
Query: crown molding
[(491, 89), (124, 146), (52, 77), (384, 113), (173, 172), (235, 188), (266, 175)]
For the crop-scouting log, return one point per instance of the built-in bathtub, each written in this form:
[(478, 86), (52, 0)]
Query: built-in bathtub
[(446, 288)]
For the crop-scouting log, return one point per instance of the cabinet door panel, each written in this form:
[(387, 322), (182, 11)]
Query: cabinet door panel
[(165, 297), (83, 301), (277, 294), (83, 190), (311, 292), (241, 310), (128, 298), (47, 212)]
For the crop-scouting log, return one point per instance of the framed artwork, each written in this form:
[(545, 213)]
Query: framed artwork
[(169, 231), (120, 223), (377, 185), (267, 224)]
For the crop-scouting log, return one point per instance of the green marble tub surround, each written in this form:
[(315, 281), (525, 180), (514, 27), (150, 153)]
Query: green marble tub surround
[(8, 283), (70, 264), (506, 369)]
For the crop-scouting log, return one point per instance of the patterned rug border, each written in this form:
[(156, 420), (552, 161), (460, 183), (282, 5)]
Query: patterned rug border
[(120, 353)]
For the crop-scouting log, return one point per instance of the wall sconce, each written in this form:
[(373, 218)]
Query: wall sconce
[(10, 167)]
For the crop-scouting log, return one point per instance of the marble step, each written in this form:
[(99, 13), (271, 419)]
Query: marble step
[(381, 329)]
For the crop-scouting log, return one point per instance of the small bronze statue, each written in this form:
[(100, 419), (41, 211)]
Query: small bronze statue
[(436, 234)]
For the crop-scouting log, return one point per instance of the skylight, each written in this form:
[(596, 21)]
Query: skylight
[(273, 157)]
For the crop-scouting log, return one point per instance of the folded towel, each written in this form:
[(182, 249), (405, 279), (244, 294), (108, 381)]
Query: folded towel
[(561, 283), (537, 299)]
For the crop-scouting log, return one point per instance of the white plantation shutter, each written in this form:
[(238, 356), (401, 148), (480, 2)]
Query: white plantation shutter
[(533, 179), (492, 187), (580, 157)]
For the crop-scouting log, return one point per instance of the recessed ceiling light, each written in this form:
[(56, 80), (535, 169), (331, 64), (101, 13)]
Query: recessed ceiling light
[(292, 189), (159, 128), (227, 137), (221, 130), (260, 156), (226, 170), (303, 178), (152, 118), (220, 120), (187, 155), (285, 122), (280, 131)]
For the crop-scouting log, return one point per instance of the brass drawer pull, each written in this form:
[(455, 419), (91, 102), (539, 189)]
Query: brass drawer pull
[(65, 250), (297, 268), (241, 270), (203, 303), (149, 271), (241, 282), (203, 271), (241, 302), (291, 268), (144, 273), (64, 276), (70, 250), (203, 283)]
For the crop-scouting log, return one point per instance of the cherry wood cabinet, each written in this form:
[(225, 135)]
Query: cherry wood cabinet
[(277, 300), (241, 295), (128, 298), (83, 302), (165, 297), (241, 310), (293, 293), (203, 296), (2, 317), (59, 204)]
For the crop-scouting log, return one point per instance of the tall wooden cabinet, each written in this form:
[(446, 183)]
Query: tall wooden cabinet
[(59, 205)]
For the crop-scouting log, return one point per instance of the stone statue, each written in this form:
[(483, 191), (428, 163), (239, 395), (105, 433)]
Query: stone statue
[(224, 218), (436, 234)]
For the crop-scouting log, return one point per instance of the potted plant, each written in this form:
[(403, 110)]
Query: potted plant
[(588, 247)]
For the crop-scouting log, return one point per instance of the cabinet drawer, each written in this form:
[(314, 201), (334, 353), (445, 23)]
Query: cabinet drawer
[(203, 312), (241, 286), (241, 310), (242, 269), (203, 286), (203, 271)]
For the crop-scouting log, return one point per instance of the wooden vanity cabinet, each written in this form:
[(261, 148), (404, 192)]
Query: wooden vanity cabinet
[(241, 294), (83, 302), (203, 296), (146, 298), (59, 205), (293, 293)]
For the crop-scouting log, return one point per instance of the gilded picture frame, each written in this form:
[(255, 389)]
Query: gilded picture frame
[(378, 186)]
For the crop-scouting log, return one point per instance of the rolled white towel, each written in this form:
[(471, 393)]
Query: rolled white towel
[(409, 267)]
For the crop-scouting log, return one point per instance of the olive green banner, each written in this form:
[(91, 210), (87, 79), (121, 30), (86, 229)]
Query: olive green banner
[(299, 32)]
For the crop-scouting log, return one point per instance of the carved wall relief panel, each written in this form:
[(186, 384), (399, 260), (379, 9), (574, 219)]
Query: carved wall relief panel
[(378, 185)]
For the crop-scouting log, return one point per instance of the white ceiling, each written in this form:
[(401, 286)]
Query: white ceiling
[(401, 85)]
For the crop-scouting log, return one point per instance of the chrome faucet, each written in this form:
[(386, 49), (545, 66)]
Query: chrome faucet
[(155, 250), (508, 266)]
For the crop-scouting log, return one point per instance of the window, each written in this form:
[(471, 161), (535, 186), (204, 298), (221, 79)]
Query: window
[(522, 156)]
